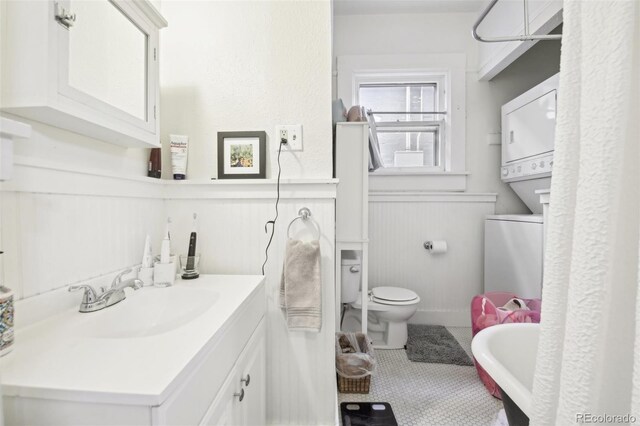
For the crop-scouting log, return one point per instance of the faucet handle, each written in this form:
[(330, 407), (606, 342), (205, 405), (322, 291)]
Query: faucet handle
[(118, 277), (89, 296)]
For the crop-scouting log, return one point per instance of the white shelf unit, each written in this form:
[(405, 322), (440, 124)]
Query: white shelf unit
[(352, 205)]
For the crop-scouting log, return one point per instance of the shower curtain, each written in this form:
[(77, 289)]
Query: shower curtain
[(588, 361)]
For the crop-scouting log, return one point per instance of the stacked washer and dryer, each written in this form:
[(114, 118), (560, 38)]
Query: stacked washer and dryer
[(514, 244)]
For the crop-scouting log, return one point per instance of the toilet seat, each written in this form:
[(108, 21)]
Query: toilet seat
[(394, 296)]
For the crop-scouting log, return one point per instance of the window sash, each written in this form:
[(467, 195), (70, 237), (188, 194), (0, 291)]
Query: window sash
[(434, 127), (434, 114)]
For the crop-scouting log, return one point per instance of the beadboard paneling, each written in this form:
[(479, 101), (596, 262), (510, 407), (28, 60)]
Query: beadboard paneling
[(300, 371), (54, 240), (445, 282)]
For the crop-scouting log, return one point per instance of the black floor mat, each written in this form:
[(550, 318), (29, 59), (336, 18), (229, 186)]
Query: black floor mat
[(367, 414)]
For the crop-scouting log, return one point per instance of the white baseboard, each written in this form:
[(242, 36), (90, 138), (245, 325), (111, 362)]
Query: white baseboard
[(460, 318)]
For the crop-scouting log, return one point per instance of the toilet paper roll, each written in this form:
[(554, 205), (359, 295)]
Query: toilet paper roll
[(438, 247)]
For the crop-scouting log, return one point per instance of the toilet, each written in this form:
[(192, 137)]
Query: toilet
[(389, 308)]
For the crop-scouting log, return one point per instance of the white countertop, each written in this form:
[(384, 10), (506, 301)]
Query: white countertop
[(72, 356)]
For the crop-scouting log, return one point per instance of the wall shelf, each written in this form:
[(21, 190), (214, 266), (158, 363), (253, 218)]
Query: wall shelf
[(47, 177)]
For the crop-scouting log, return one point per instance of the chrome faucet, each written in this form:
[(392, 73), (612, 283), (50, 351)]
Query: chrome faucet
[(93, 301)]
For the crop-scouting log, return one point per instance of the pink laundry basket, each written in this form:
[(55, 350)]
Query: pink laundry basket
[(485, 313)]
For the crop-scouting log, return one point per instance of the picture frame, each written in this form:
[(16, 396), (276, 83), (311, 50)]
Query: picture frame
[(242, 155)]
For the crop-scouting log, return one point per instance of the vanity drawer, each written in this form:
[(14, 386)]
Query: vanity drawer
[(188, 404)]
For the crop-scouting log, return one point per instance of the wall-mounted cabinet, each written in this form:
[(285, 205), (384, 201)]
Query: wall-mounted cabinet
[(86, 66), (506, 19)]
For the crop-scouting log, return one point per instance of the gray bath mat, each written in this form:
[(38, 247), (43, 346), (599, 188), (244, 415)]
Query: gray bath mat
[(434, 344)]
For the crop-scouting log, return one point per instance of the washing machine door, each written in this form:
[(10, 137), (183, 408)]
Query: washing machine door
[(513, 255)]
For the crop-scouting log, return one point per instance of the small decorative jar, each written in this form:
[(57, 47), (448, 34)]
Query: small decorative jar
[(6, 320)]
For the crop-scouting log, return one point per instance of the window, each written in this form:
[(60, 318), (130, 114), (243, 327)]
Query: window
[(428, 149), (407, 136)]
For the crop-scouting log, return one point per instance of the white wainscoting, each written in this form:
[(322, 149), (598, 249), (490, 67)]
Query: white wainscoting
[(301, 382), (399, 224), (62, 226), (52, 240)]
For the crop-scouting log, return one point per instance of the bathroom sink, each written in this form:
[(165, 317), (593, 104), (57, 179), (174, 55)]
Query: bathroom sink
[(151, 311), (508, 353)]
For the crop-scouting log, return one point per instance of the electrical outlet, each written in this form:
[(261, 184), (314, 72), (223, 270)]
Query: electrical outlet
[(284, 135), (292, 134)]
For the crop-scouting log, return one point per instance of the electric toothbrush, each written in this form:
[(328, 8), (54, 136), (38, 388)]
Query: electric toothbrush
[(190, 271)]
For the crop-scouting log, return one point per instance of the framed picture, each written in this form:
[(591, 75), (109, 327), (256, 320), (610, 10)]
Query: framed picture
[(242, 155)]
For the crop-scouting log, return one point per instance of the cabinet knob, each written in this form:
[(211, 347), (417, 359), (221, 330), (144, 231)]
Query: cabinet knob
[(240, 395), (247, 380)]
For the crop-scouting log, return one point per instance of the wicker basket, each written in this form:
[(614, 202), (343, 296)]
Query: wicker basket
[(355, 365), (353, 385)]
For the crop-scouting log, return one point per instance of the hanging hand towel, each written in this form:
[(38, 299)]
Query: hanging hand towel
[(301, 286)]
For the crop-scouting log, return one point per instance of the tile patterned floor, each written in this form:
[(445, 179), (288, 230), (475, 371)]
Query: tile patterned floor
[(424, 394)]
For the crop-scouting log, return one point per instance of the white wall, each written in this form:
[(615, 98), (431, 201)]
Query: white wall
[(399, 225), (247, 65)]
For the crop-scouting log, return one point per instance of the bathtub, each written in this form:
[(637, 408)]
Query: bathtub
[(508, 353)]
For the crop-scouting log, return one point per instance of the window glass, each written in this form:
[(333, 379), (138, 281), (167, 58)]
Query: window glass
[(406, 138), (412, 97)]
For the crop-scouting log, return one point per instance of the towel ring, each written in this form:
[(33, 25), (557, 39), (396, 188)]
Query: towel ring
[(304, 214)]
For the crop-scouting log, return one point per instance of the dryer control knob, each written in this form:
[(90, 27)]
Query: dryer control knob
[(505, 172), (533, 166)]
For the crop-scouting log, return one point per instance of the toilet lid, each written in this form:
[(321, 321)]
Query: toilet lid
[(393, 294)]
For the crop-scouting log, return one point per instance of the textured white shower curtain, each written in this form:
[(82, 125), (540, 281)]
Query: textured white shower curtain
[(589, 352)]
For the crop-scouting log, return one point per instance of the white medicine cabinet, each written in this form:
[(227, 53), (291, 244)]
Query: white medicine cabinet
[(89, 66)]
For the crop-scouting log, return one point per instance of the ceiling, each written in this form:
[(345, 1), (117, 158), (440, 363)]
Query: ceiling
[(384, 7)]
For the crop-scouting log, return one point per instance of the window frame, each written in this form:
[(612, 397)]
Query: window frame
[(350, 67), (440, 80)]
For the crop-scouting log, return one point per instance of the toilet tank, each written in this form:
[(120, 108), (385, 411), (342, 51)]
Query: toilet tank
[(351, 274)]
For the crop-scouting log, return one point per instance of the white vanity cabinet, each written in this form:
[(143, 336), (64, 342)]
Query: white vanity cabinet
[(89, 66), (242, 398), (204, 366)]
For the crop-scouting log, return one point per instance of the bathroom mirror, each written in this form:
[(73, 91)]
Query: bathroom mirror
[(108, 56)]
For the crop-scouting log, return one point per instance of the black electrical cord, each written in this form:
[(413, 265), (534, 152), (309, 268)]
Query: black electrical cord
[(273, 222)]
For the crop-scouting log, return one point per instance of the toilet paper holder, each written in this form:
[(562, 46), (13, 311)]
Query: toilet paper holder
[(435, 247)]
